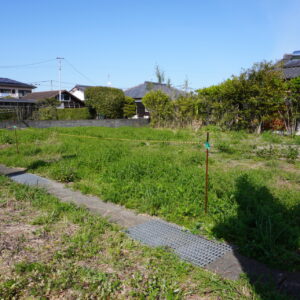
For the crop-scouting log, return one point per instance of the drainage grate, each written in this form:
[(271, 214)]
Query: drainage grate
[(188, 246), (29, 179)]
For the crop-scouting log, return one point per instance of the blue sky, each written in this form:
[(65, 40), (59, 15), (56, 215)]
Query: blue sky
[(204, 41)]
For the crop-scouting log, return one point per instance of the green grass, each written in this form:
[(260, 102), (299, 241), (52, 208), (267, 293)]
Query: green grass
[(254, 194), (60, 251)]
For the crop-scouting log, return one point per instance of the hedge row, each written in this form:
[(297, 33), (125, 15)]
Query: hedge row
[(52, 113), (73, 114), (7, 116)]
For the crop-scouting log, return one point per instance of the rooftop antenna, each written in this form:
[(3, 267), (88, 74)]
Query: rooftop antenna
[(59, 59)]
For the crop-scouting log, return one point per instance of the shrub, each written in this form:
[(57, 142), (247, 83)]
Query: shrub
[(225, 147), (73, 114), (107, 101), (48, 102), (291, 154), (129, 109), (267, 152), (159, 105), (7, 116), (6, 139), (65, 173), (46, 113), (52, 113)]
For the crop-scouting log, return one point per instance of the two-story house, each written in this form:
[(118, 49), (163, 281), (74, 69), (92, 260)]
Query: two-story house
[(14, 89)]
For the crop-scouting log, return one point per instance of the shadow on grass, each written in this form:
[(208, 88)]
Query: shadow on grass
[(38, 164), (42, 163), (267, 231)]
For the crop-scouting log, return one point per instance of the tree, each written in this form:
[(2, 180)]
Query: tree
[(289, 108), (247, 100), (267, 90), (129, 109), (169, 84), (159, 106), (160, 75), (106, 101), (185, 109), (48, 102)]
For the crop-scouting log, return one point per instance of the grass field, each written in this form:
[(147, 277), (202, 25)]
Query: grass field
[(53, 250), (254, 189)]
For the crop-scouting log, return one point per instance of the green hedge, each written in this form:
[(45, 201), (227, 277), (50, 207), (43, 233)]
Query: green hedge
[(106, 101), (73, 114), (52, 113), (7, 116)]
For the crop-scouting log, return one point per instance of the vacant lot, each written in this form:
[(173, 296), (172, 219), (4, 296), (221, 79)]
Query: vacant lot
[(254, 191), (53, 250)]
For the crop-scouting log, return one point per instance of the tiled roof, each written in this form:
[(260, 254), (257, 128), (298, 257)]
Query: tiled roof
[(290, 66), (290, 73), (48, 94), (41, 95), (14, 83), (141, 90), (81, 87), (15, 100)]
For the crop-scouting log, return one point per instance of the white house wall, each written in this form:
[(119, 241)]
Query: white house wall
[(79, 94), (16, 94)]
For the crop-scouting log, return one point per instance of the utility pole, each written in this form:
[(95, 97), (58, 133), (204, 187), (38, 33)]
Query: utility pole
[(59, 59)]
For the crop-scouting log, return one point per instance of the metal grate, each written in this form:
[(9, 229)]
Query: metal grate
[(188, 246)]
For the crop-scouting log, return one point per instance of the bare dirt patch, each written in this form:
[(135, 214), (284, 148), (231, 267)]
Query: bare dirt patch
[(4, 146), (22, 241)]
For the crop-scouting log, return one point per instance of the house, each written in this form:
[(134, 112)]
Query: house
[(14, 89), (291, 66), (139, 91), (78, 91), (21, 109), (67, 99)]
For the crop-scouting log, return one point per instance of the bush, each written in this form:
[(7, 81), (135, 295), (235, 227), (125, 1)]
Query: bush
[(7, 116), (268, 152), (52, 113), (225, 147), (108, 102), (65, 173), (159, 106), (129, 109), (6, 139), (291, 154), (73, 114), (46, 113)]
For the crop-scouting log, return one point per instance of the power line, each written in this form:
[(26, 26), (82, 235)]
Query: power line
[(53, 80), (26, 65), (76, 70)]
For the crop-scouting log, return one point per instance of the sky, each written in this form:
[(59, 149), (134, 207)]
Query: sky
[(122, 41)]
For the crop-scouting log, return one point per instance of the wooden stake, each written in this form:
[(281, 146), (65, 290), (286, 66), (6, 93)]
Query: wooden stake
[(206, 173)]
